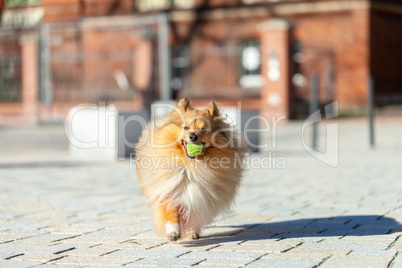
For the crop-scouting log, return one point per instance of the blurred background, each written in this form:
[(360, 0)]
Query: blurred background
[(276, 57)]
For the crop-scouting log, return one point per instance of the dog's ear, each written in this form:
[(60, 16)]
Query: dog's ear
[(212, 109), (184, 104)]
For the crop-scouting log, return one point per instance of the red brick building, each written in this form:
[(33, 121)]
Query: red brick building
[(264, 52)]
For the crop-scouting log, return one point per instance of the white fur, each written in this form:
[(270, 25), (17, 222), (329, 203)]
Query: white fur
[(172, 228)]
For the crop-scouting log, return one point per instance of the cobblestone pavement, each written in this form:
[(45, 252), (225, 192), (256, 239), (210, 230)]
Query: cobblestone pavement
[(294, 212)]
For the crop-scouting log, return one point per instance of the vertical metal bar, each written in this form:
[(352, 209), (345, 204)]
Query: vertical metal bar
[(46, 76), (38, 65), (314, 106), (370, 108), (164, 57)]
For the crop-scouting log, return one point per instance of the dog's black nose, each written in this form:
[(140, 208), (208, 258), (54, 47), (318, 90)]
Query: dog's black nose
[(193, 137)]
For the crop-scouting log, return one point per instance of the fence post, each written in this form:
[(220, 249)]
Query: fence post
[(29, 76), (164, 57), (45, 70), (370, 108), (314, 106)]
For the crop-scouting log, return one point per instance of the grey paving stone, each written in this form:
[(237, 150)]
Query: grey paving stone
[(94, 260), (4, 254), (95, 251), (7, 237), (357, 261), (149, 253), (292, 255), (18, 264), (362, 252), (223, 255), (111, 234), (225, 262), (282, 263), (49, 237), (214, 266), (397, 262), (97, 266), (67, 244), (165, 262), (10, 249), (253, 248), (340, 245), (298, 216), (48, 265)]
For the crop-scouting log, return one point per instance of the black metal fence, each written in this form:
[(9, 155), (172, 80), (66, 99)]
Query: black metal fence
[(123, 61), (10, 66)]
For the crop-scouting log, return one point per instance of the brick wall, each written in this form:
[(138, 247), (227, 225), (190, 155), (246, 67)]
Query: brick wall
[(104, 7), (67, 10), (61, 10), (347, 34), (92, 62), (215, 62)]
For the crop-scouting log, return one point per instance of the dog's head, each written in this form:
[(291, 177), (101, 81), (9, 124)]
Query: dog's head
[(205, 127)]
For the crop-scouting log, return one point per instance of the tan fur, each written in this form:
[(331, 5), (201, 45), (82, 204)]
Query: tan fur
[(189, 192)]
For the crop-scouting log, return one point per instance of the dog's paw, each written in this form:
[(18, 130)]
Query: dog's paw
[(173, 236), (193, 235)]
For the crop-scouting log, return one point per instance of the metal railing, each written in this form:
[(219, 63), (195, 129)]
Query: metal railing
[(120, 60)]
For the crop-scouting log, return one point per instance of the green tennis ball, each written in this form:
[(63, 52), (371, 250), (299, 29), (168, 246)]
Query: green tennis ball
[(194, 149)]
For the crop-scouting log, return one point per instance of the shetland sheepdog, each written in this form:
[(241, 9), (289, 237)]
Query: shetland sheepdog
[(185, 191)]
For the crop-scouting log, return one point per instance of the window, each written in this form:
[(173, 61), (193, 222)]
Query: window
[(151, 5), (250, 64), (21, 13), (11, 3), (298, 79)]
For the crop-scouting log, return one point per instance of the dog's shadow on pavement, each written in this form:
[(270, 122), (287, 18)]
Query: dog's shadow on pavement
[(339, 226)]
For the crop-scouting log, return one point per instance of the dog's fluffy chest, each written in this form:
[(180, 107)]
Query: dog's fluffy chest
[(195, 184), (199, 192)]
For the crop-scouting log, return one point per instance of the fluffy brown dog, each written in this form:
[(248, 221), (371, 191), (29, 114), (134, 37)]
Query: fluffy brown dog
[(187, 192)]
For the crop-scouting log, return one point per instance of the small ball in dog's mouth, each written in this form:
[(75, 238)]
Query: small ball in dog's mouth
[(194, 149)]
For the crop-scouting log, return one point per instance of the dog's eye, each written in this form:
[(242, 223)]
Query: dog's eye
[(203, 130), (186, 128)]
